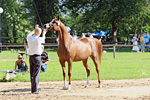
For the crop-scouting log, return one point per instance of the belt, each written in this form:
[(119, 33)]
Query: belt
[(35, 55)]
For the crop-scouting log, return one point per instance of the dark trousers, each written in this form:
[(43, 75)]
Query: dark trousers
[(35, 68)]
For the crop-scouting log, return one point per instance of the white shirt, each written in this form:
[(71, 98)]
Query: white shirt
[(68, 29), (35, 45)]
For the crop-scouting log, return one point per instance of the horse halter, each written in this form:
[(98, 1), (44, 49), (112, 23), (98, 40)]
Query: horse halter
[(50, 25), (57, 22)]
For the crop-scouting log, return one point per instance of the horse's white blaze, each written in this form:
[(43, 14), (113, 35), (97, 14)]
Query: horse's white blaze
[(58, 23)]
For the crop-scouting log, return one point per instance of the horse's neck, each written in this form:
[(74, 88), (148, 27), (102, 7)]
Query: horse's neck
[(64, 36)]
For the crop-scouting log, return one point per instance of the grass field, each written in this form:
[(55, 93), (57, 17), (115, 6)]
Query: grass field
[(124, 66)]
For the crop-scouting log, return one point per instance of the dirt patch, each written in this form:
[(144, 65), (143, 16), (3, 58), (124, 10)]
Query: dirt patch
[(135, 89), (8, 59)]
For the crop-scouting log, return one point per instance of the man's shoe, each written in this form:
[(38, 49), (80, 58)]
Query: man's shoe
[(37, 92)]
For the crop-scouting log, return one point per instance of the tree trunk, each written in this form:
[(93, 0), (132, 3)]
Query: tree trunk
[(114, 31), (135, 29), (142, 24), (143, 19)]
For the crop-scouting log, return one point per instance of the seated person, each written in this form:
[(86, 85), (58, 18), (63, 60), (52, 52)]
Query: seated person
[(44, 58), (21, 64)]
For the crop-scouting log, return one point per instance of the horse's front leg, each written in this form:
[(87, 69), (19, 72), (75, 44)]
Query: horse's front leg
[(69, 73), (64, 73)]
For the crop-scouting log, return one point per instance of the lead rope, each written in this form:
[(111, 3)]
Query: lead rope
[(37, 13)]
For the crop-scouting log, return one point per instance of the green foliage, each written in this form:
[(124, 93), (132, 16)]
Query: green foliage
[(100, 14), (15, 22), (128, 16)]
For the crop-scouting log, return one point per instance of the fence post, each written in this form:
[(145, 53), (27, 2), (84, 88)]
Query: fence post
[(114, 50)]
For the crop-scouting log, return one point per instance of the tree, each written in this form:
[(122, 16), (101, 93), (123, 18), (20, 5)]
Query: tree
[(14, 20), (114, 13)]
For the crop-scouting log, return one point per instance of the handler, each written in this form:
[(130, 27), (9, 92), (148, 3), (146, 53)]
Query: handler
[(35, 51)]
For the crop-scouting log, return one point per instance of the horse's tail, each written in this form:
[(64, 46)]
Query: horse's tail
[(99, 49)]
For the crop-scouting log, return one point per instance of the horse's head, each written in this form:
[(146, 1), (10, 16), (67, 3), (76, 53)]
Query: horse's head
[(54, 25)]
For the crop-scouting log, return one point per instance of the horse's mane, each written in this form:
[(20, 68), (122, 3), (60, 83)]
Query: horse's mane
[(64, 36)]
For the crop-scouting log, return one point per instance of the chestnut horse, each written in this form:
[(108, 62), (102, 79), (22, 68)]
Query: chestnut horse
[(71, 50)]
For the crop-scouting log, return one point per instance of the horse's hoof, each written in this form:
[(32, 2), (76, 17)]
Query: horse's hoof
[(86, 86), (64, 88), (99, 86), (69, 87)]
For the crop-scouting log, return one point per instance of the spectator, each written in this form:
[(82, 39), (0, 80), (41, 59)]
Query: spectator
[(90, 35), (57, 40), (135, 43), (68, 29), (83, 35), (75, 36), (21, 64), (36, 26), (146, 38), (44, 58), (142, 42)]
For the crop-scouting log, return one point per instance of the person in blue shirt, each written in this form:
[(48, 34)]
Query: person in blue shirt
[(146, 38), (75, 37), (21, 64)]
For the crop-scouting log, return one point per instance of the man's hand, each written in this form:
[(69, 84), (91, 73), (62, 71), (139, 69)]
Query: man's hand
[(37, 26)]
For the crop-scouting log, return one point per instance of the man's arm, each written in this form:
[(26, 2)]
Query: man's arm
[(139, 36), (31, 33), (45, 63), (26, 67), (44, 33), (15, 66)]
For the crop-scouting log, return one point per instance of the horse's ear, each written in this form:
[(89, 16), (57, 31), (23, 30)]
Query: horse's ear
[(58, 17)]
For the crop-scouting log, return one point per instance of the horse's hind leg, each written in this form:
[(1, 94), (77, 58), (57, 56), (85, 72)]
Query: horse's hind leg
[(97, 70), (88, 72), (64, 73)]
